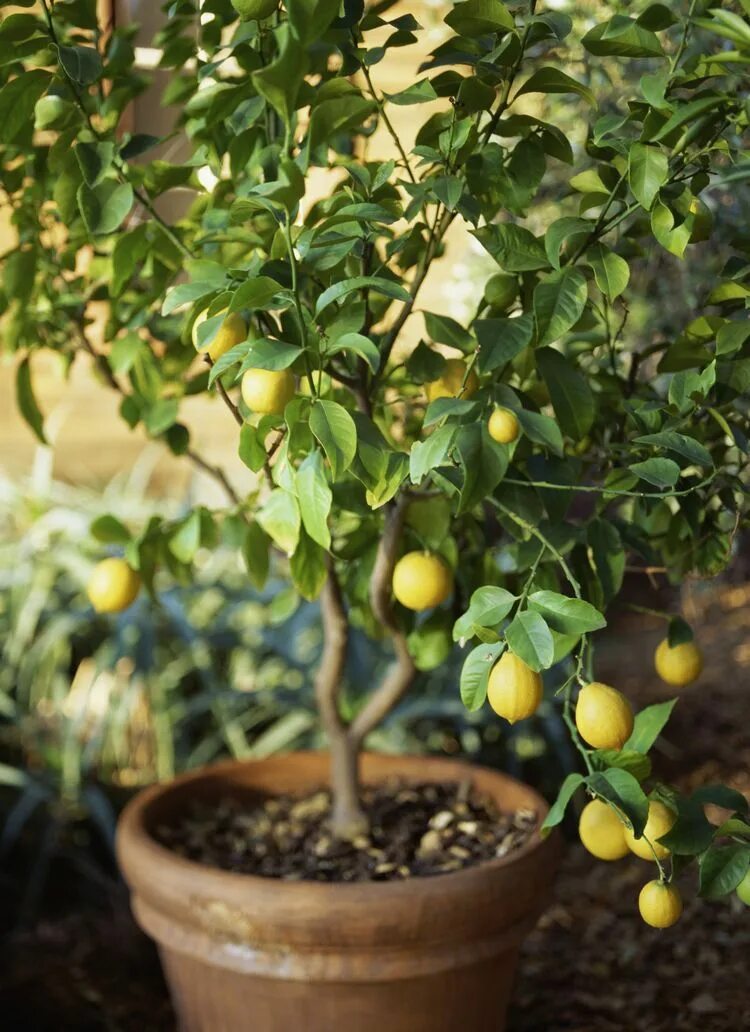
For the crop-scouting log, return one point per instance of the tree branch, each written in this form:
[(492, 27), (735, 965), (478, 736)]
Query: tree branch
[(402, 672)]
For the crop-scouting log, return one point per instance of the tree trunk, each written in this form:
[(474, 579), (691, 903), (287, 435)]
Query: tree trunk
[(348, 820)]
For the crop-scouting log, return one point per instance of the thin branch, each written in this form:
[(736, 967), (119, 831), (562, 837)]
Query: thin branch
[(328, 677), (237, 415), (402, 672), (380, 101)]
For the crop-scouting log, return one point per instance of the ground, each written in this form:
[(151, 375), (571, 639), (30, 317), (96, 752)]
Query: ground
[(590, 966)]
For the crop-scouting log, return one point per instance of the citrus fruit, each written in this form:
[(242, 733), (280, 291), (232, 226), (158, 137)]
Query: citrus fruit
[(500, 290), (267, 390), (678, 665), (255, 10), (603, 716), (514, 690), (602, 832), (113, 586), (660, 904), (503, 426), (743, 890), (231, 332), (450, 383), (660, 821), (421, 580)]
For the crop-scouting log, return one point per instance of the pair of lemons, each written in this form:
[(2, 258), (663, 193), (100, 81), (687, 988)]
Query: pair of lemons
[(456, 382)]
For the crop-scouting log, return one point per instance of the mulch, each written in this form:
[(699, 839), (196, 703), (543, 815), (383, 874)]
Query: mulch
[(590, 966)]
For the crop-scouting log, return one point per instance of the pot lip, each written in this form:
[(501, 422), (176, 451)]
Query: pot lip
[(134, 837)]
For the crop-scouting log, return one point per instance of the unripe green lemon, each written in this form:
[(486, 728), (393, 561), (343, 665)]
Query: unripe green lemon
[(113, 586), (450, 383), (514, 690), (51, 112), (421, 580), (604, 717), (602, 832), (660, 904), (660, 821), (500, 290), (231, 332), (268, 391), (678, 665), (504, 426), (743, 890), (254, 10)]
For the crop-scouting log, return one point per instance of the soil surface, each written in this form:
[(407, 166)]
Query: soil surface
[(415, 830)]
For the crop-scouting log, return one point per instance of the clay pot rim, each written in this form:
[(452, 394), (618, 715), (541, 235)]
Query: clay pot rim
[(133, 827)]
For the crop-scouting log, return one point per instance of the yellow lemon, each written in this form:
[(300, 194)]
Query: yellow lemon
[(603, 716), (743, 890), (503, 426), (113, 586), (660, 821), (514, 690), (231, 332), (421, 581), (660, 904), (450, 383), (678, 665), (602, 832), (267, 390)]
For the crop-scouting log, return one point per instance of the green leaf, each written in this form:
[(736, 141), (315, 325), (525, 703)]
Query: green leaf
[(427, 455), (420, 92), (130, 248), (185, 541), (316, 496), (500, 340), (649, 724), (513, 247), (375, 284), (559, 302), (110, 531), (476, 17), (622, 37), (94, 159), (648, 169), (565, 230), (568, 789), (310, 19), (634, 763), (335, 429), (530, 638), (26, 400), (337, 115), (688, 113), (358, 344), (622, 789), (280, 81), (82, 64), (265, 353), (17, 102), (252, 449), (475, 673), (722, 868), (255, 552), (541, 429), (105, 205), (553, 80), (722, 795), (443, 330), (679, 443), (483, 463), (662, 473), (185, 294), (611, 272), (308, 567), (280, 518), (691, 833), (566, 615), (570, 394), (257, 294), (672, 238), (488, 607)]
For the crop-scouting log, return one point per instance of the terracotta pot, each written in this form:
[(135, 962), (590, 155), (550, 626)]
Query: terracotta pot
[(263, 955)]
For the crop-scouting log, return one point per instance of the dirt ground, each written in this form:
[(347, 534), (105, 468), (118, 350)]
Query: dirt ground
[(590, 966)]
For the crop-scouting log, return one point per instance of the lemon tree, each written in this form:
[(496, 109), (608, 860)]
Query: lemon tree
[(480, 475)]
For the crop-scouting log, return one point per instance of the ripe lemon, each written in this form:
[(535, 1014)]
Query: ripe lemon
[(255, 10), (678, 665), (231, 332), (503, 426), (602, 832), (743, 890), (267, 390), (113, 586), (660, 821), (514, 690), (500, 290), (421, 581), (450, 383), (603, 716), (660, 904)]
